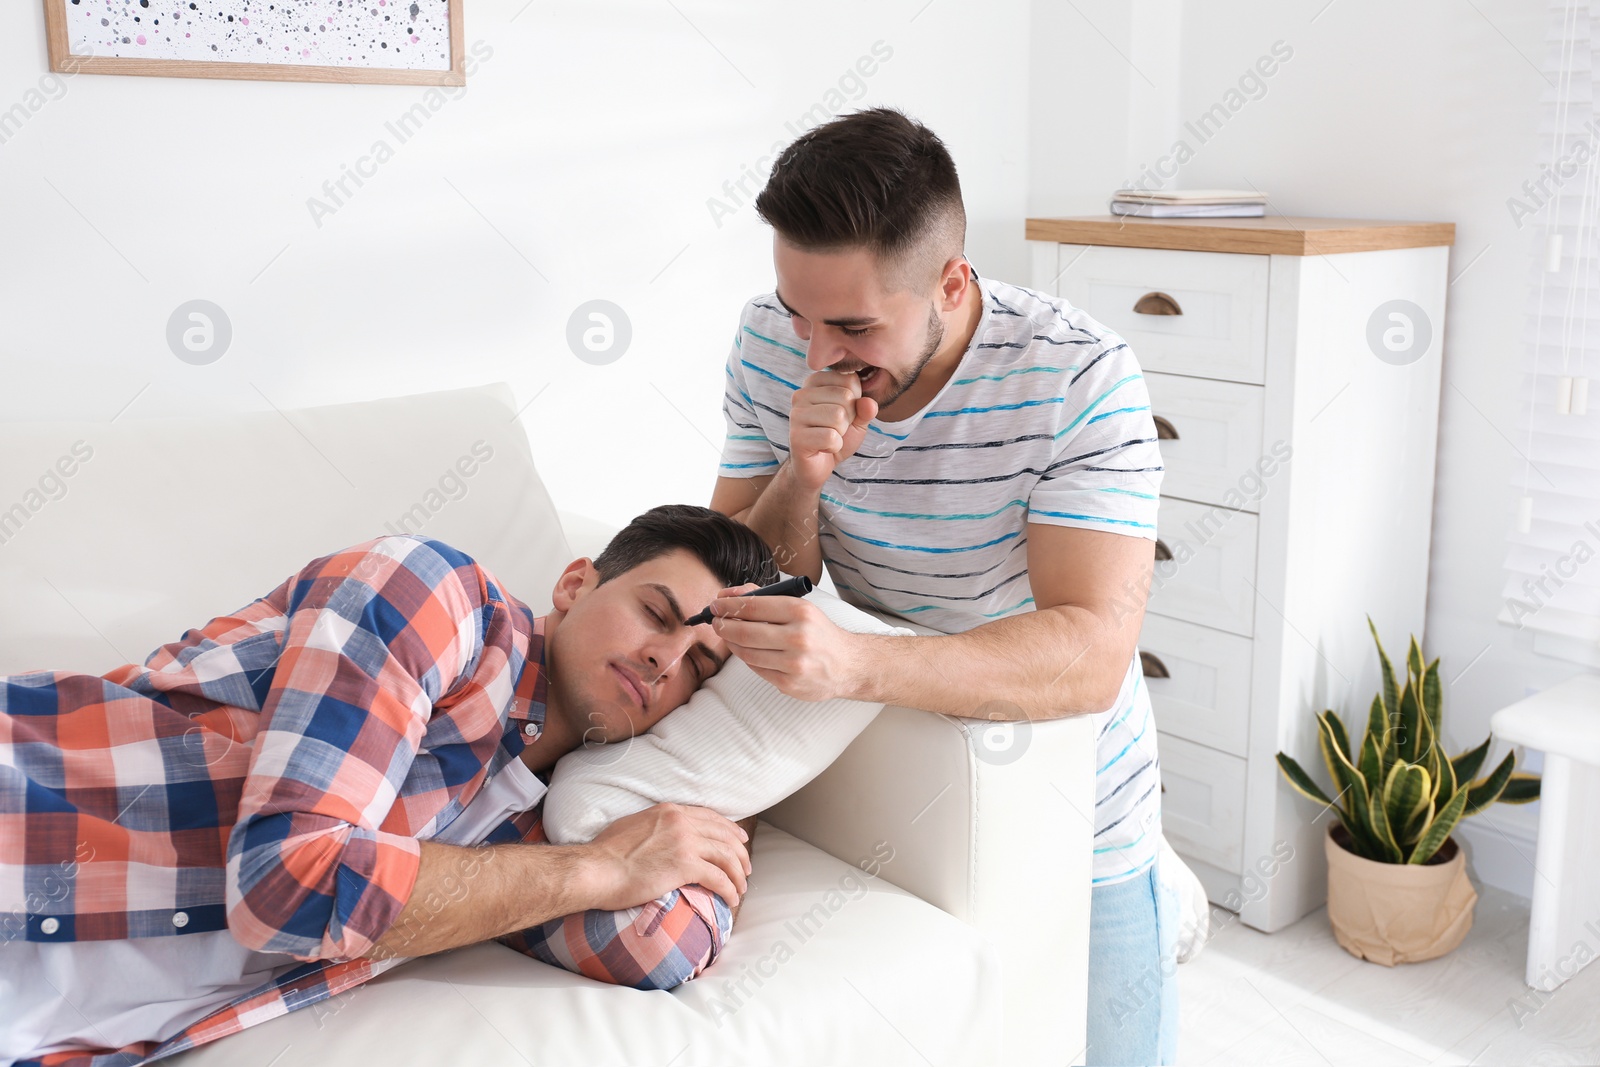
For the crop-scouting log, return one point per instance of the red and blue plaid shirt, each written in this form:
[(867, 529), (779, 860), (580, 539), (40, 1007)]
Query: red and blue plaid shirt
[(273, 774)]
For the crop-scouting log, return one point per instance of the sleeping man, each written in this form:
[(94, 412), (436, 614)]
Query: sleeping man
[(346, 773)]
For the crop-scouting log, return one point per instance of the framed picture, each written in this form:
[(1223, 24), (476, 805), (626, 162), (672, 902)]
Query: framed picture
[(406, 42)]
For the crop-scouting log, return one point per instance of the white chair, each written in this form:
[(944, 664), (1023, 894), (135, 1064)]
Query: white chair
[(1563, 722)]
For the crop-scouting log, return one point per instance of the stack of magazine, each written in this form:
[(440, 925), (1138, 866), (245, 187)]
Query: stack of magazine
[(1190, 203)]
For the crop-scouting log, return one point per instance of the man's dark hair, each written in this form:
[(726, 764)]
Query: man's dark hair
[(729, 549), (872, 179)]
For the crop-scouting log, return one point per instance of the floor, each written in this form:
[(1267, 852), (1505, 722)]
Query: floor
[(1296, 997)]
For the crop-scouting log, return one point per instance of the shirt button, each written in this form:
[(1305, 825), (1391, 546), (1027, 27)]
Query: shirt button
[(180, 919), (531, 729), (50, 926)]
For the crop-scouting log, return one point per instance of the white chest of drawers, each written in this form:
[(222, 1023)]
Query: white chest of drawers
[(1299, 425)]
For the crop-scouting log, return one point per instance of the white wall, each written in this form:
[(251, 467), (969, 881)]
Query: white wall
[(1423, 110), (1104, 93), (576, 164)]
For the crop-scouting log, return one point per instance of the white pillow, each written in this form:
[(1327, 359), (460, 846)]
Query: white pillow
[(738, 747)]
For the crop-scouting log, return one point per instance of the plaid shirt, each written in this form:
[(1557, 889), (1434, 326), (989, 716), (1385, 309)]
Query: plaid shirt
[(274, 773)]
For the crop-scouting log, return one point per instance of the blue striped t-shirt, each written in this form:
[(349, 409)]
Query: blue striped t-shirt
[(1045, 420)]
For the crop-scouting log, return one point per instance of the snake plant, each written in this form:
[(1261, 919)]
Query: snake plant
[(1399, 797)]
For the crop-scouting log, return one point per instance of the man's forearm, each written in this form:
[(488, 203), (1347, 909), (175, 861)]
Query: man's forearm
[(466, 895), (1044, 664), (786, 516), (463, 896)]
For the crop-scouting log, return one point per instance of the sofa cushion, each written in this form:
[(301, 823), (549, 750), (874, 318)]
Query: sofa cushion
[(162, 525), (827, 964)]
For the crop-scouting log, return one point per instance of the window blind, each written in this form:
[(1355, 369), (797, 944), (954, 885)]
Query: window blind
[(1552, 585)]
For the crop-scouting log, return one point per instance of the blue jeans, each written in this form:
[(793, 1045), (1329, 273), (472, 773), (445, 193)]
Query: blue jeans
[(1133, 972)]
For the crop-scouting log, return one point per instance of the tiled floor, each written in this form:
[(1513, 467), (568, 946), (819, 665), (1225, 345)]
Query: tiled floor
[(1296, 997)]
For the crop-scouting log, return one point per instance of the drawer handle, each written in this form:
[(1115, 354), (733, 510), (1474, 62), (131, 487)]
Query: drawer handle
[(1152, 665), (1157, 304), (1165, 431), (1162, 551)]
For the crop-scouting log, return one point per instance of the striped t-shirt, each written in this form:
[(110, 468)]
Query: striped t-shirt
[(1045, 420)]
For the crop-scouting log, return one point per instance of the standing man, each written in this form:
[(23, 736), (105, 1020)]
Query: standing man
[(970, 455)]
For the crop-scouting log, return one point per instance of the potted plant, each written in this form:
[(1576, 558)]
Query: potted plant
[(1398, 890)]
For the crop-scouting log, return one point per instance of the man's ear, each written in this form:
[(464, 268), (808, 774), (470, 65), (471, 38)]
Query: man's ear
[(579, 577), (952, 282)]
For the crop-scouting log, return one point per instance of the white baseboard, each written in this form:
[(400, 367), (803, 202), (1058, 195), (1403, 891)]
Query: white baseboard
[(1500, 845), (1575, 649)]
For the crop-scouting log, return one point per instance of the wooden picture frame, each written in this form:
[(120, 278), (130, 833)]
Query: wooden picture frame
[(58, 33)]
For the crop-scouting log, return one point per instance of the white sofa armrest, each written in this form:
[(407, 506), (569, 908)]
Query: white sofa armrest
[(1005, 847)]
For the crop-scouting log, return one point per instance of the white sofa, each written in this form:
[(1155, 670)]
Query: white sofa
[(969, 947)]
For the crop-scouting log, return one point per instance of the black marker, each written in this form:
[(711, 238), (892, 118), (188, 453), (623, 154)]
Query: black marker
[(799, 586)]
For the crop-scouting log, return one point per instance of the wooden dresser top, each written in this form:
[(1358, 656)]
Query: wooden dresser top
[(1279, 235)]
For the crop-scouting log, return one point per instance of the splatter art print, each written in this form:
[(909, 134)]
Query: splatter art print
[(410, 41)]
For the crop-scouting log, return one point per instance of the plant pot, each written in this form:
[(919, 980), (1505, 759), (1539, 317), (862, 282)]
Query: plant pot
[(1393, 913)]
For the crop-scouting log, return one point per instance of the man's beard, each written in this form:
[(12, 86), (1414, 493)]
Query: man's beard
[(935, 337)]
